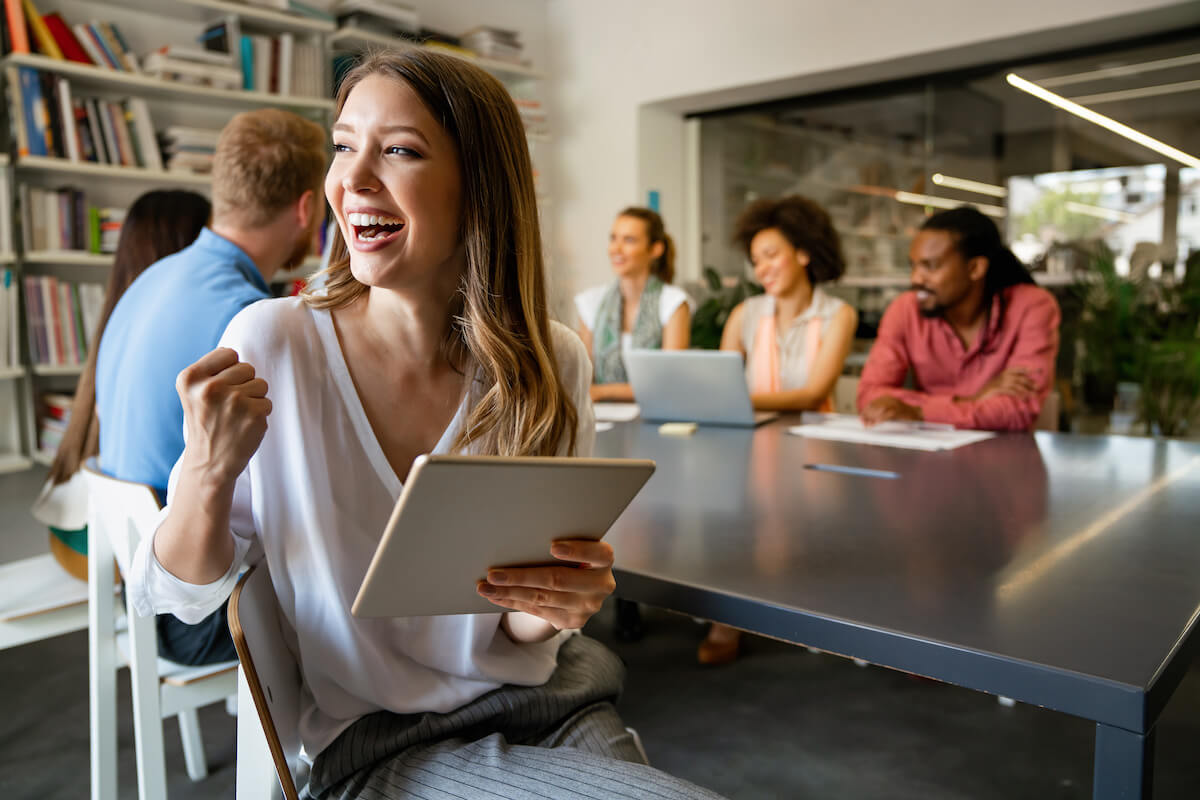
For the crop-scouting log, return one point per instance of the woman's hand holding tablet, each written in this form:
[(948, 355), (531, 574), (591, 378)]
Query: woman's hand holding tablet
[(565, 596)]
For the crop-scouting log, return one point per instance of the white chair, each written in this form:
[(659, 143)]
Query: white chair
[(120, 513), (269, 678)]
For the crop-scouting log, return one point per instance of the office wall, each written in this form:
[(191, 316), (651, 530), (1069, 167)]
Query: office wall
[(625, 71)]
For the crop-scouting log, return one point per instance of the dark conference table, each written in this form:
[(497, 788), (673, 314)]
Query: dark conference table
[(1061, 571)]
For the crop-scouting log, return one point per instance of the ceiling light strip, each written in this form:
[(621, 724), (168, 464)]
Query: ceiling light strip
[(1108, 123), (1125, 69), (915, 199), (1134, 94), (967, 185)]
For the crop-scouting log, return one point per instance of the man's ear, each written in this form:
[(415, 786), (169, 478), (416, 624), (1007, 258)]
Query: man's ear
[(977, 268), (306, 207)]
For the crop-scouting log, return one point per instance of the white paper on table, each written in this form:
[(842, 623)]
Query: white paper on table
[(601, 427), (911, 436), (616, 412)]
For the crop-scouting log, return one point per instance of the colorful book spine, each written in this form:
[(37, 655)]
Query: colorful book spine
[(18, 34), (41, 34)]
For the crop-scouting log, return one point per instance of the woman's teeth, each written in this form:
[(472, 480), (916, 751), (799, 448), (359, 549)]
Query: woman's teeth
[(364, 220)]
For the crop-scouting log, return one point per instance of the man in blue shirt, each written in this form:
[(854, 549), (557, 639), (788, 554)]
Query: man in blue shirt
[(267, 206)]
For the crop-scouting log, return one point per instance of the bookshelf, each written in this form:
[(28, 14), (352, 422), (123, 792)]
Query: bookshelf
[(354, 38), (146, 26), (60, 167)]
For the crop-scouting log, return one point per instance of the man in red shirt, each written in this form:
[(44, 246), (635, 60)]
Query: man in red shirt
[(978, 335)]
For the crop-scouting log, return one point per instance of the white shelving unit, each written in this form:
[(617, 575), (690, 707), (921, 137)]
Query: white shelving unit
[(74, 257), (90, 77), (149, 24), (83, 169), (355, 38)]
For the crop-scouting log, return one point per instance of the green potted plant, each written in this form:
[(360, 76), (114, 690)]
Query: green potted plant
[(1143, 332), (709, 320)]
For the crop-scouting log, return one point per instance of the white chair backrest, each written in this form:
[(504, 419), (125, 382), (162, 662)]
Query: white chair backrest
[(270, 670), (122, 511)]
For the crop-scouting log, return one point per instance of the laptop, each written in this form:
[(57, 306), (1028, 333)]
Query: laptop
[(705, 386)]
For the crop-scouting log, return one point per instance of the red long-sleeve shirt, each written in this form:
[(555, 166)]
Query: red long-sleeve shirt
[(1026, 335)]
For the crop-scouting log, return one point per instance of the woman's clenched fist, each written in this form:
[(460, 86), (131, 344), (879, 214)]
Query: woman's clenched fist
[(225, 410)]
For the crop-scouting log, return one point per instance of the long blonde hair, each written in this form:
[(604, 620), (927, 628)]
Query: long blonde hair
[(504, 325)]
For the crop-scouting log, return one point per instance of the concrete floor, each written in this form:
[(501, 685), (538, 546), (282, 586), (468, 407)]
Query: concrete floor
[(778, 723)]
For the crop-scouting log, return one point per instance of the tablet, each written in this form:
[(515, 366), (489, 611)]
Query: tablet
[(459, 515)]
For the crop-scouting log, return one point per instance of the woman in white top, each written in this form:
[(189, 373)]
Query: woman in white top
[(430, 334), (794, 337), (639, 309)]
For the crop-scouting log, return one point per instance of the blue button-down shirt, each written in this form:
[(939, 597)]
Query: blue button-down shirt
[(170, 316)]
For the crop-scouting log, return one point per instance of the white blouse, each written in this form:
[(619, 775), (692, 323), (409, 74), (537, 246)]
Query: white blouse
[(587, 305), (314, 500)]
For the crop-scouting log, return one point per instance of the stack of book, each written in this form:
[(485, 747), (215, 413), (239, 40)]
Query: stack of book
[(50, 120), (381, 16), (495, 43), (189, 149), (282, 64), (60, 219), (194, 66), (62, 317), (9, 322), (56, 413), (97, 43)]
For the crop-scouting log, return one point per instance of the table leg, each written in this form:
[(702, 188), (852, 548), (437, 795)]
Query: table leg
[(1124, 764)]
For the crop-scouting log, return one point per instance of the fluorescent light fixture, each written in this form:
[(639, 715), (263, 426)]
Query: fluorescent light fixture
[(1134, 94), (966, 185), (1111, 214), (1109, 123), (1122, 71), (945, 202)]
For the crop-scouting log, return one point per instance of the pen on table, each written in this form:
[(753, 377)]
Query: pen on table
[(861, 471)]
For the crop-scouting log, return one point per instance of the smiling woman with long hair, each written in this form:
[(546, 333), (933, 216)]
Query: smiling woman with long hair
[(431, 334)]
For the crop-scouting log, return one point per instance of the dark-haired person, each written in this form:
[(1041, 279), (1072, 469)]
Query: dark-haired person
[(794, 336), (978, 335), (267, 204), (640, 309), (158, 224)]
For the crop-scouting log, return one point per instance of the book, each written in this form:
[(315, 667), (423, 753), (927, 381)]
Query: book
[(18, 33), (110, 133), (109, 36), (67, 118), (17, 106), (220, 58), (284, 63), (406, 17), (116, 115), (87, 41), (140, 115), (41, 34), (247, 51), (83, 131), (127, 53), (103, 155), (168, 68), (33, 111), (106, 47), (67, 42), (54, 133)]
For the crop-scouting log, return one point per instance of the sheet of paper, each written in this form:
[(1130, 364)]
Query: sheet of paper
[(616, 412), (601, 427), (911, 436)]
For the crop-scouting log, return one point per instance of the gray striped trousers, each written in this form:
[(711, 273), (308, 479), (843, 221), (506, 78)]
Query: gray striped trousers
[(559, 741)]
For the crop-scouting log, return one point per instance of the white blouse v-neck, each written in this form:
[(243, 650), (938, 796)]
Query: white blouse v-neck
[(314, 501)]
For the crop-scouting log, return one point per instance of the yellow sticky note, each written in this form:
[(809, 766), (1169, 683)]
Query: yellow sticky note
[(677, 429)]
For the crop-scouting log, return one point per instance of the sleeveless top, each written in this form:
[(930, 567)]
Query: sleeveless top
[(606, 337), (780, 361)]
